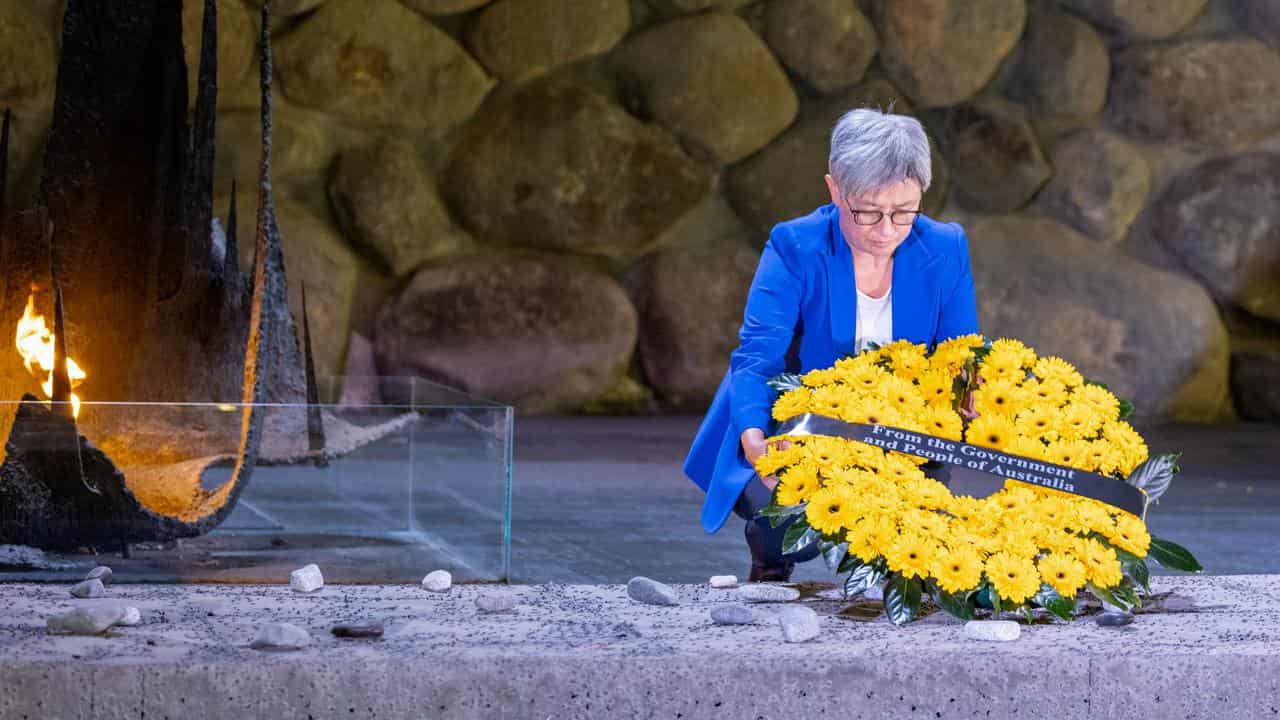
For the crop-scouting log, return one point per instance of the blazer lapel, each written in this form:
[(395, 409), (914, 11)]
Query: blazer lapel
[(841, 290), (915, 292)]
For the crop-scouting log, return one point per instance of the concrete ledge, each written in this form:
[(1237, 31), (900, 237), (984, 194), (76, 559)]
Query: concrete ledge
[(589, 652)]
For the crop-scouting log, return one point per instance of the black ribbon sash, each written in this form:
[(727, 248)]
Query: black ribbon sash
[(975, 459)]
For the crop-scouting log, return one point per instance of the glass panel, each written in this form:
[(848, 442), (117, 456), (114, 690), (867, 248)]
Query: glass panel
[(374, 493)]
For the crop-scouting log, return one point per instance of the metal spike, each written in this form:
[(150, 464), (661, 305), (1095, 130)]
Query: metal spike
[(199, 181), (315, 421), (61, 394), (231, 255)]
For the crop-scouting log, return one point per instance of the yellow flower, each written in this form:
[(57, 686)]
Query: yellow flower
[(957, 568), (1055, 368), (936, 387), (797, 484), (1002, 365), (1099, 398), (992, 431), (1047, 393), (792, 403), (874, 412), (901, 394), (1131, 535), (943, 422), (1015, 578), (909, 362), (830, 510), (865, 377), (999, 397), (912, 555), (1072, 453), (1078, 420), (1063, 573), (819, 377), (1028, 447), (1101, 564), (1026, 356), (1037, 421)]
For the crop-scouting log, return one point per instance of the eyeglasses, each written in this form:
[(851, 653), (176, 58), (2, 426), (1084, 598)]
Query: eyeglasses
[(873, 217)]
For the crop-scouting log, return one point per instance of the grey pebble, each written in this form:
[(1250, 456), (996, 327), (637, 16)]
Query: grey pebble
[(89, 589), (732, 615), (102, 572), (651, 592), (759, 592), (799, 623), (1114, 619), (92, 620), (281, 636), (371, 629), (495, 603)]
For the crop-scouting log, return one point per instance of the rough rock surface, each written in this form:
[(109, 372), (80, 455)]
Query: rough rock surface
[(827, 43), (995, 156), (1100, 183), (519, 39)]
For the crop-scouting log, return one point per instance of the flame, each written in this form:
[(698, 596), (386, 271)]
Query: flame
[(35, 344)]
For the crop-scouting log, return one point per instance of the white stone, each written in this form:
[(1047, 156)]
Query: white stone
[(992, 630), (281, 636), (724, 581), (306, 579), (799, 623), (759, 592), (438, 581), (102, 572), (91, 620), (132, 616), (651, 592), (89, 589)]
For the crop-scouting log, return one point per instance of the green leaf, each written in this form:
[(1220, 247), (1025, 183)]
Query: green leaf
[(960, 606), (1106, 595), (1173, 556), (1127, 593), (1126, 409), (785, 382), (1050, 600), (863, 578), (1025, 610), (833, 553), (1136, 570), (798, 537), (995, 602), (1155, 475), (850, 563), (901, 599), (778, 514)]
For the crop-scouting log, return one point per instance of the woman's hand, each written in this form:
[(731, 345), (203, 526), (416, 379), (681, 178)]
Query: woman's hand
[(753, 446)]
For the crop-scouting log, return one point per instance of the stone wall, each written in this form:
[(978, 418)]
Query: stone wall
[(560, 203)]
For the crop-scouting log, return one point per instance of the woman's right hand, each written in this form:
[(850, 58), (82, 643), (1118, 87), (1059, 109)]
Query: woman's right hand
[(753, 446)]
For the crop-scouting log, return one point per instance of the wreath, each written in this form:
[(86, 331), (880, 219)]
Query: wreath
[(858, 474)]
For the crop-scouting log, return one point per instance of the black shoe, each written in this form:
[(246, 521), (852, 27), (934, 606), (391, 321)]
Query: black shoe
[(771, 573)]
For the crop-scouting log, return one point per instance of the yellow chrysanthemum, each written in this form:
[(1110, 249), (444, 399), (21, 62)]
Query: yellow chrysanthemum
[(992, 431), (792, 403), (1046, 393), (831, 510), (1078, 420), (1002, 365), (797, 484), (1131, 535), (1072, 453), (1028, 447), (957, 569), (1015, 578), (819, 377), (1037, 421), (1055, 368), (943, 422), (865, 377), (999, 397), (1100, 399), (1026, 356), (936, 387), (908, 362), (1102, 567), (1063, 573), (901, 394), (912, 555)]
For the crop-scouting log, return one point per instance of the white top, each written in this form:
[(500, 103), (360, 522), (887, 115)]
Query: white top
[(875, 320)]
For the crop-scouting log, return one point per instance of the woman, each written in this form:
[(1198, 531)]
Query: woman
[(868, 267)]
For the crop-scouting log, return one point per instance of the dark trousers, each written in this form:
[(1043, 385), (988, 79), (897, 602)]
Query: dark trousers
[(765, 542)]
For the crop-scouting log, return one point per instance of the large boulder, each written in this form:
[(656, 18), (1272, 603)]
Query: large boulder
[(380, 64), (1062, 71), (386, 200), (1139, 18), (710, 80), (302, 146), (994, 155), (690, 298), (666, 8), (555, 166), (539, 334), (784, 180), (1100, 184), (1221, 219), (1260, 17), (942, 52), (237, 43), (1223, 94), (1255, 367), (28, 57), (518, 39), (827, 43), (445, 7), (1154, 337)]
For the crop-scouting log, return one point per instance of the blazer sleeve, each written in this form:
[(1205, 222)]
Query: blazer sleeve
[(769, 322), (958, 313)]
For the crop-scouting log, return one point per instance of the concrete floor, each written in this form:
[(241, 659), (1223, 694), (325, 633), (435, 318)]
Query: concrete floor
[(600, 500)]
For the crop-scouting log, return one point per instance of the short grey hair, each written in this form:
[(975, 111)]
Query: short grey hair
[(872, 149)]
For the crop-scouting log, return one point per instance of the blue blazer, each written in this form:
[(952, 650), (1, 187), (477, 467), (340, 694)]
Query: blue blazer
[(800, 316)]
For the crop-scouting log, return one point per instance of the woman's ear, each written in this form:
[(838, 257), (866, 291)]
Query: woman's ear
[(836, 199)]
